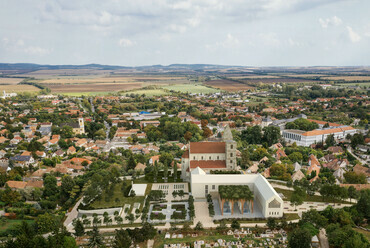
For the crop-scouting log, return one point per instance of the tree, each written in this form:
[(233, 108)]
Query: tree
[(207, 132), (10, 196), (352, 193), (50, 186), (95, 240), (155, 171), (297, 197), (299, 238), (131, 164), (357, 139), (46, 222), (354, 178), (165, 173), (181, 193), (271, 223), (188, 135), (295, 157), (235, 224), (198, 226), (175, 193), (271, 134), (121, 239), (130, 218), (363, 204), (245, 158), (175, 171), (330, 141), (79, 228)]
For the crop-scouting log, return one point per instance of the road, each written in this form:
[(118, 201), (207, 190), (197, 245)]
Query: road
[(71, 216), (359, 159)]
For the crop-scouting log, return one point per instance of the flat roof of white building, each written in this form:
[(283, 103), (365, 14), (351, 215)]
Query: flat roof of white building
[(259, 181)]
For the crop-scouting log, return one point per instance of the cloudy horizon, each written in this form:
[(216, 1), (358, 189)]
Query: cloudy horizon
[(143, 32)]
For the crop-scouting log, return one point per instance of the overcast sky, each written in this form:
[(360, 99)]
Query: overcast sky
[(145, 32)]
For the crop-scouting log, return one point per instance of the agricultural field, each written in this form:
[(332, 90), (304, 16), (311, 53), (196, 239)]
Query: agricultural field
[(348, 78), (93, 87), (276, 80), (147, 92), (252, 76), (228, 85), (12, 81), (18, 88), (191, 88), (360, 84)]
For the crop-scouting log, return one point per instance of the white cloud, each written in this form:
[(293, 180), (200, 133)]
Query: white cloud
[(35, 50), (333, 21), (353, 36), (177, 28), (126, 42), (230, 42)]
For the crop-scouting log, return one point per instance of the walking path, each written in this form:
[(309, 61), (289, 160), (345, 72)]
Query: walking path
[(324, 243), (71, 216)]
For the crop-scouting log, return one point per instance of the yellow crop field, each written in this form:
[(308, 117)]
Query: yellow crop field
[(18, 88), (349, 78), (10, 80)]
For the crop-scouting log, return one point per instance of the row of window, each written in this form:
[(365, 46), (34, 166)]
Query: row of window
[(273, 213)]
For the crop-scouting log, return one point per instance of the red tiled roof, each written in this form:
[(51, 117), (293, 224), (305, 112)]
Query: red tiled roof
[(207, 147), (208, 164), (186, 154), (327, 131)]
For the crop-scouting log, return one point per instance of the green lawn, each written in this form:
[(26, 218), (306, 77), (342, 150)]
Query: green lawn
[(366, 233), (102, 203), (314, 198), (102, 93), (148, 92), (12, 223), (191, 88)]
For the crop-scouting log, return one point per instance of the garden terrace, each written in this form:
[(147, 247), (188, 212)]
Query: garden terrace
[(240, 194)]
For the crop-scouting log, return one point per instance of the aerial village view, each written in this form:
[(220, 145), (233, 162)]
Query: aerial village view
[(180, 155)]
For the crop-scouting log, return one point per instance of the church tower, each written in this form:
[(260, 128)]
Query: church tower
[(81, 123), (230, 149)]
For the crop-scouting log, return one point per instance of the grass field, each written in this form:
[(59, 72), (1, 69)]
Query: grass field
[(12, 223), (99, 204), (147, 92), (367, 84), (366, 233), (314, 198), (191, 88), (18, 88)]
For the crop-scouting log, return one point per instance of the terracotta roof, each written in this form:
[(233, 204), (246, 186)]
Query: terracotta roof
[(327, 131), (35, 184), (140, 166), (16, 184), (324, 122), (359, 169), (207, 147), (208, 164), (186, 154)]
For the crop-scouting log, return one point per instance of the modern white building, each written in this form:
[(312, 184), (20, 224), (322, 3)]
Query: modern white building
[(266, 202), (307, 138)]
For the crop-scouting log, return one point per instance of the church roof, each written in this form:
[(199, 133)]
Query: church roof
[(207, 147), (208, 164)]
